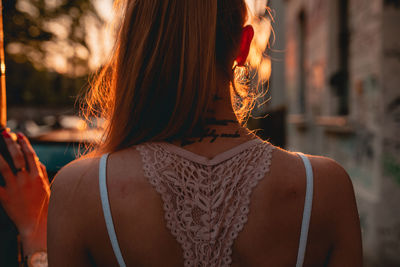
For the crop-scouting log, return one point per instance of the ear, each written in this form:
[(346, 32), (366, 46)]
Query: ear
[(245, 42)]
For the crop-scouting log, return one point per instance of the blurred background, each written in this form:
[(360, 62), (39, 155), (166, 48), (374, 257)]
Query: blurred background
[(333, 89), (52, 47)]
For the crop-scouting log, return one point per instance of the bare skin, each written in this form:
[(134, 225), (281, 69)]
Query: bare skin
[(26, 195), (77, 234)]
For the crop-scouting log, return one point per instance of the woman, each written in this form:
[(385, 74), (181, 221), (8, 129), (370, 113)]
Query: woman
[(177, 179)]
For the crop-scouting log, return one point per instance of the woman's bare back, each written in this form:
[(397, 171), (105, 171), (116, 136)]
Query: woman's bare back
[(270, 236)]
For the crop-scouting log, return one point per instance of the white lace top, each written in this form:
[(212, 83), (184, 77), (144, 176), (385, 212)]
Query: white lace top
[(206, 201)]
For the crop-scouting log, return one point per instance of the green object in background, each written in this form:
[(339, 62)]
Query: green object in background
[(55, 156)]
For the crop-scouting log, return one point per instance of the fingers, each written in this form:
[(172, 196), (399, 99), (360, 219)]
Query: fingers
[(30, 155), (6, 172), (3, 193), (15, 151), (44, 171)]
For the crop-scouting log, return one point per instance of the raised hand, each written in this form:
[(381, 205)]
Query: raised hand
[(26, 194)]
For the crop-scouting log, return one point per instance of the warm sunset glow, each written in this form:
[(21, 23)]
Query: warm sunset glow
[(100, 39), (262, 27), (257, 7), (257, 57), (60, 50), (265, 69), (105, 8)]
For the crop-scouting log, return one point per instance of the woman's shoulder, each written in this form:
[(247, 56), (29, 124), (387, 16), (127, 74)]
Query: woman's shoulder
[(76, 171), (83, 173), (75, 214), (325, 170), (333, 187), (331, 179), (333, 190), (334, 208), (74, 189)]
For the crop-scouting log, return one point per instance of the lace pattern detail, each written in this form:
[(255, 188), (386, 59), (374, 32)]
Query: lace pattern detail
[(205, 206)]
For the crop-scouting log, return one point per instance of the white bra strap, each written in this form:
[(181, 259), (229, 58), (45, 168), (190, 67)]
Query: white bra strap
[(107, 210), (306, 212)]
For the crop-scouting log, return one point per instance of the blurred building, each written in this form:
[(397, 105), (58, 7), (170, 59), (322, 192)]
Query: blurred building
[(343, 97)]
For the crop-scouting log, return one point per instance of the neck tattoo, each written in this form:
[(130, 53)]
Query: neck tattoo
[(212, 133)]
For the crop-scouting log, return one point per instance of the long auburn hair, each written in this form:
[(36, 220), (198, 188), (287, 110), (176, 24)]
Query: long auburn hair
[(169, 58)]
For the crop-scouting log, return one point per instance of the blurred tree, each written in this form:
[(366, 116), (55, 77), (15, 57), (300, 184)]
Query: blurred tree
[(51, 33), (50, 44)]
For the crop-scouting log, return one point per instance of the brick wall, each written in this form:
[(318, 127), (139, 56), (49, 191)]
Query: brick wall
[(366, 140)]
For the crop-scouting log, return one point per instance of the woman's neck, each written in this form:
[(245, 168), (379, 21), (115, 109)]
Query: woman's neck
[(221, 123)]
